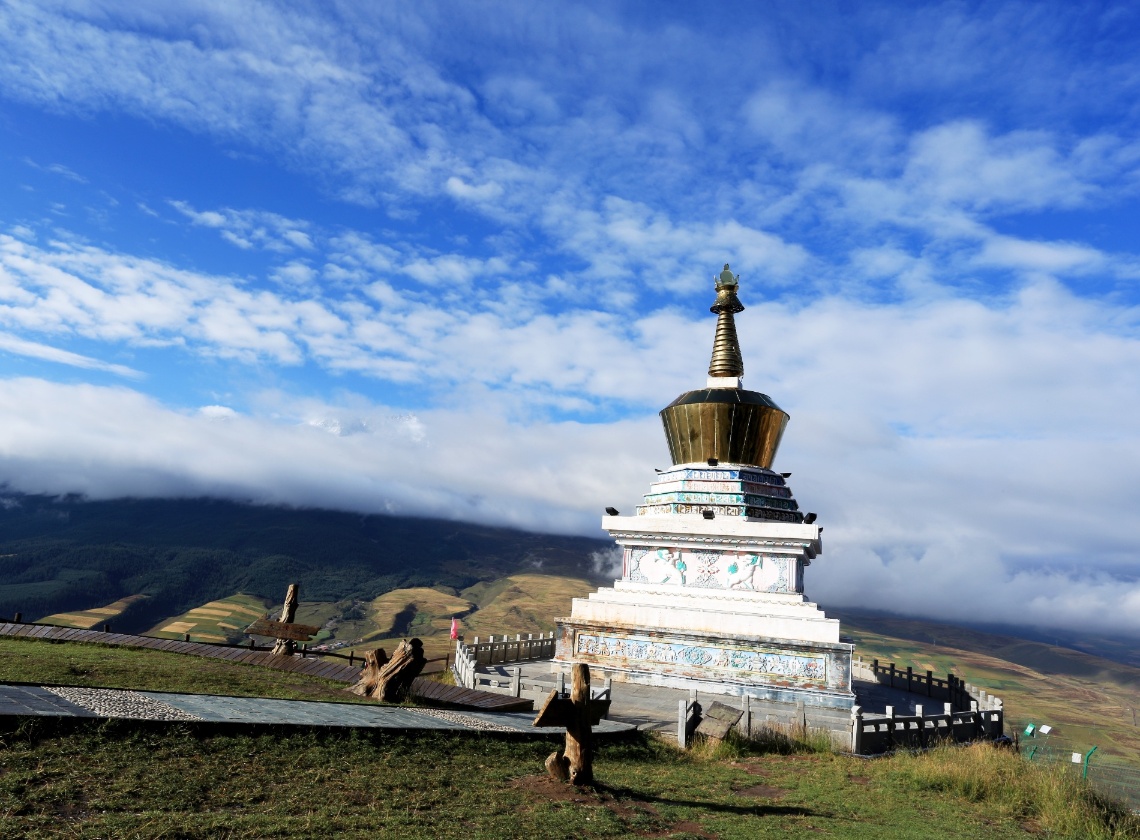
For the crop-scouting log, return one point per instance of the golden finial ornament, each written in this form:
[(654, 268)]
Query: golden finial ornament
[(726, 358), (724, 422)]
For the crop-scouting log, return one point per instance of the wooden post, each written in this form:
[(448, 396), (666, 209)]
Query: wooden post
[(288, 613), (929, 683), (578, 714)]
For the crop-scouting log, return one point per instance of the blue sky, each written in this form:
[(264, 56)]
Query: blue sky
[(451, 259)]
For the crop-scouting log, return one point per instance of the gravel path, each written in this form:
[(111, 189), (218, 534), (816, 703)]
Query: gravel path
[(113, 702), (466, 720)]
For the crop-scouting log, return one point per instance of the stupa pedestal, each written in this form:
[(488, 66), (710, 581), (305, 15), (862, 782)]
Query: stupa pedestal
[(712, 589)]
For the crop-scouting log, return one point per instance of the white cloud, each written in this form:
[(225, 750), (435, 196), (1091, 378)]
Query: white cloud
[(460, 189), (21, 347), (251, 228)]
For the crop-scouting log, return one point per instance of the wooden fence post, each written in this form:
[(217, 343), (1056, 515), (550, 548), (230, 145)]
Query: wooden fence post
[(288, 613)]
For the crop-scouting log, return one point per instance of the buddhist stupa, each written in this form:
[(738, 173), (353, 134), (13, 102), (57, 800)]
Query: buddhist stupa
[(712, 588)]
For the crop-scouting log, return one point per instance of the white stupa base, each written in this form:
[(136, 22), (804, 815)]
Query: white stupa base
[(773, 669), (712, 603)]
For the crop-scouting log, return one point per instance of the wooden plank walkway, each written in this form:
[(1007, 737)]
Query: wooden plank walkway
[(458, 697), (455, 697)]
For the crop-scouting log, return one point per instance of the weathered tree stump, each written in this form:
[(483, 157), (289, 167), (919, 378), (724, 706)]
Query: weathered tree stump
[(575, 763), (287, 647), (374, 661), (390, 681)]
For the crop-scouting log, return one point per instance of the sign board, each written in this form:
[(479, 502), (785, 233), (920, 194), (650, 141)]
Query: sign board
[(281, 630), (718, 719), (559, 711)]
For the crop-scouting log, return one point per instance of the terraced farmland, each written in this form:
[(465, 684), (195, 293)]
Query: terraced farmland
[(223, 620), (86, 619)]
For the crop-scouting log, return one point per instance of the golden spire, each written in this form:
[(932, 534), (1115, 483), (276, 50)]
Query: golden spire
[(726, 358)]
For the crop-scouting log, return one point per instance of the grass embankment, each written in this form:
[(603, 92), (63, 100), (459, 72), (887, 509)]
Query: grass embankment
[(97, 666), (112, 780)]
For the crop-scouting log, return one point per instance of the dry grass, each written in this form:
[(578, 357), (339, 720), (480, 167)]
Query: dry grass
[(526, 604), (1052, 799)]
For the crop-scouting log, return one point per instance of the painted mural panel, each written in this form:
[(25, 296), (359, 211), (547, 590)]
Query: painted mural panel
[(712, 569), (753, 663)]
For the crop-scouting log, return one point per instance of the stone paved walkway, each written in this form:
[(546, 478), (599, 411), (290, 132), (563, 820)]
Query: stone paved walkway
[(150, 705)]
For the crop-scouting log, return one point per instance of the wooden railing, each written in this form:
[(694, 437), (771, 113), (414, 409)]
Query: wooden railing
[(303, 650)]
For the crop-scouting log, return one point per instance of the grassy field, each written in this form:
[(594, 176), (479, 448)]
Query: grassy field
[(96, 666), (112, 780), (223, 620), (1089, 701), (95, 617)]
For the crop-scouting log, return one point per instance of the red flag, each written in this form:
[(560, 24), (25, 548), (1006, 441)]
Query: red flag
[(454, 629)]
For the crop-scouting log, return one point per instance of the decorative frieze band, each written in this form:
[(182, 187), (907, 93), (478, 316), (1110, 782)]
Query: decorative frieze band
[(757, 663)]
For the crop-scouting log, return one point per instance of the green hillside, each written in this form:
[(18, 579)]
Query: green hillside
[(62, 555)]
